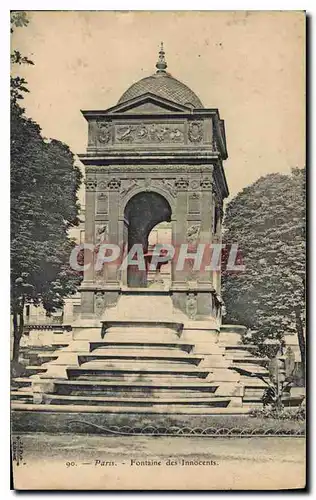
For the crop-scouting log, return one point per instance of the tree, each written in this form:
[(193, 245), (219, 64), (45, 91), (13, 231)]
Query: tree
[(18, 84), (44, 205), (280, 376), (267, 220)]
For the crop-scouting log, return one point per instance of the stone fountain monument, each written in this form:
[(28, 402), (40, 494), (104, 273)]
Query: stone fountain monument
[(156, 156)]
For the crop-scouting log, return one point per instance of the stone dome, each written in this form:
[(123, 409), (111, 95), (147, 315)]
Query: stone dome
[(164, 85)]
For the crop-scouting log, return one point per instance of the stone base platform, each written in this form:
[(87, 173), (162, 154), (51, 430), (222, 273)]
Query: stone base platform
[(141, 356)]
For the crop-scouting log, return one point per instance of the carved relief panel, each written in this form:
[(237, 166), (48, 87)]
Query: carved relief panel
[(100, 133), (146, 133), (195, 131), (99, 303), (191, 305), (194, 203), (103, 131), (107, 132), (101, 233), (102, 203)]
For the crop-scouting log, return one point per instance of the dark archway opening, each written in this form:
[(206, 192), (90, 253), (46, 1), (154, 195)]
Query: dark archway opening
[(142, 213)]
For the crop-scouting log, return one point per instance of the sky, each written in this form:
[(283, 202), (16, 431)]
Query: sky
[(250, 65)]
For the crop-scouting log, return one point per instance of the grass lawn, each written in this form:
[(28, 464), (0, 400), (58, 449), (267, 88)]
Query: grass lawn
[(53, 422)]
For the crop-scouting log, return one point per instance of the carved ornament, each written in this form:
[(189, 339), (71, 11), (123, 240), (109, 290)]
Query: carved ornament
[(114, 184), (103, 131), (181, 184), (149, 132), (206, 184), (195, 133), (193, 233), (99, 303), (91, 184), (191, 305)]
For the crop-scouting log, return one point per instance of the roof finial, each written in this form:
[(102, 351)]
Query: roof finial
[(161, 64)]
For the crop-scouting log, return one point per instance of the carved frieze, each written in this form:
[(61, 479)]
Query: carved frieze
[(114, 184), (91, 184), (206, 184), (181, 184), (102, 185), (147, 183), (166, 168), (195, 131), (195, 184), (167, 185), (128, 185), (145, 133), (103, 131)]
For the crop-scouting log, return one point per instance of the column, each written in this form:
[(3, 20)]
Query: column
[(115, 236), (179, 229), (87, 296)]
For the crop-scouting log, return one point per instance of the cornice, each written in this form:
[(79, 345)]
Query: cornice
[(190, 155)]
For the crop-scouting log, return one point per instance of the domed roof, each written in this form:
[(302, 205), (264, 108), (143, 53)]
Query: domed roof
[(164, 85)]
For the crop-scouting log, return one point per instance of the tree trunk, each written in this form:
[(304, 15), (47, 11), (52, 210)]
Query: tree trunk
[(16, 340), (300, 336), (18, 330)]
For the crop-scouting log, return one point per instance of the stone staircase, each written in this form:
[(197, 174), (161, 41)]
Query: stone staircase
[(141, 366)]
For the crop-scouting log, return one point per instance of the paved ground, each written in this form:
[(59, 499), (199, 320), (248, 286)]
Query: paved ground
[(137, 462)]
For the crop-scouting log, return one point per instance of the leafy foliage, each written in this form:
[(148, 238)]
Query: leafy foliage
[(18, 19), (295, 414), (267, 220), (279, 378), (18, 85), (44, 205)]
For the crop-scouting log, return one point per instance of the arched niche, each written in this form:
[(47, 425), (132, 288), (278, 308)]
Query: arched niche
[(142, 213)]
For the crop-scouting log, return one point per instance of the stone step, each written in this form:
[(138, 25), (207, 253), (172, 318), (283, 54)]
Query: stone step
[(128, 397), (289, 401), (43, 349), (136, 389), (233, 328), (34, 370), (18, 382), (253, 392), (251, 359), (240, 347), (130, 354), (159, 384), (39, 359), (108, 344), (252, 400), (155, 337), (141, 356), (148, 379), (239, 355), (90, 383), (252, 382), (22, 396), (157, 409), (146, 363), (253, 404), (147, 329), (252, 368), (208, 401), (93, 371)]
